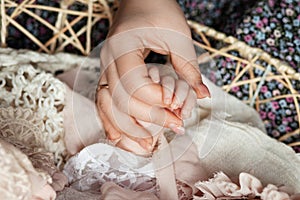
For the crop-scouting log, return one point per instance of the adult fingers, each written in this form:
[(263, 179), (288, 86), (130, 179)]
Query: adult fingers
[(134, 77), (153, 72), (121, 121)]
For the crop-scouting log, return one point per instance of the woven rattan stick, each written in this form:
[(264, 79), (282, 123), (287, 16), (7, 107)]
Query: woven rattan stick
[(61, 34), (227, 55), (252, 86), (54, 38), (279, 97), (18, 9), (54, 9), (244, 49), (80, 32), (3, 24), (238, 67), (47, 24), (107, 11), (268, 78), (286, 136), (297, 109), (224, 49), (44, 22), (260, 84), (27, 33), (293, 91), (219, 53), (246, 68), (61, 16), (74, 36), (89, 28), (294, 143), (205, 40)]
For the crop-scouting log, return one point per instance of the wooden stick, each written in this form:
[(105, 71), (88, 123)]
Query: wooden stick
[(287, 135), (54, 9), (81, 31), (54, 38), (247, 67), (74, 36), (3, 25), (294, 144), (242, 48), (89, 28)]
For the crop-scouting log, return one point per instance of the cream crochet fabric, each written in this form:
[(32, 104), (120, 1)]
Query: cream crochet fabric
[(23, 86)]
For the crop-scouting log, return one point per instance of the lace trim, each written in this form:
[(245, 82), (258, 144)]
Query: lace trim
[(21, 125), (29, 88), (101, 163)]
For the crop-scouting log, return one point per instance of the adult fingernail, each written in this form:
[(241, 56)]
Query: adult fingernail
[(202, 91), (177, 129), (156, 79)]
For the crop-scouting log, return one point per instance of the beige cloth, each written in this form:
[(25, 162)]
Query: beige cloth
[(230, 139)]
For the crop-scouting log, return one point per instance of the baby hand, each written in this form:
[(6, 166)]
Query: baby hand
[(178, 96)]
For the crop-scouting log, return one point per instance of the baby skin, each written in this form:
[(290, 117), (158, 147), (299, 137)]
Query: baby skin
[(85, 128)]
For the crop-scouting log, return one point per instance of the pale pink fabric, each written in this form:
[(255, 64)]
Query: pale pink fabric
[(221, 187), (111, 191)]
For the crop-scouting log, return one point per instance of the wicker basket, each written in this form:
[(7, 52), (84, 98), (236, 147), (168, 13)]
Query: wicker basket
[(246, 60), (62, 28)]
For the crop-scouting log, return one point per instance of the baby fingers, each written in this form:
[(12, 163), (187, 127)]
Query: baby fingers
[(181, 93), (153, 72), (189, 104), (168, 84)]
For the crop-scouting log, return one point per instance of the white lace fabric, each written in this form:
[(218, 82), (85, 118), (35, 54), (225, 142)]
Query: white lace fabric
[(101, 163)]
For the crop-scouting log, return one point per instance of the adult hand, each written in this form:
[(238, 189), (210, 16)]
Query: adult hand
[(140, 27)]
